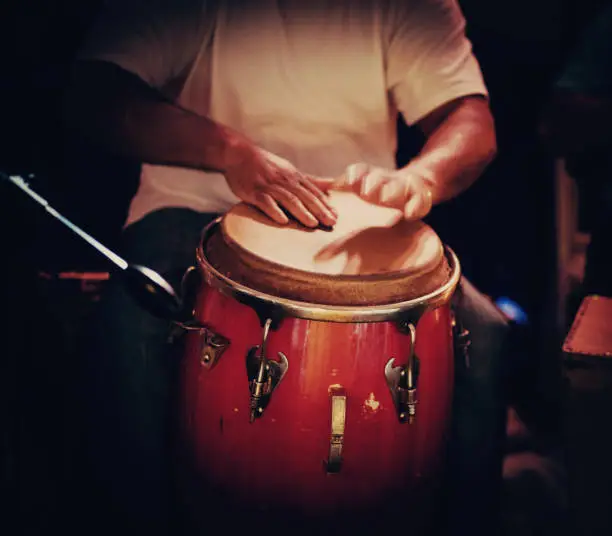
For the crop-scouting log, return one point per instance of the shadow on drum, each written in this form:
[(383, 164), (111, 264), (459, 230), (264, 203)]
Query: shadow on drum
[(370, 251)]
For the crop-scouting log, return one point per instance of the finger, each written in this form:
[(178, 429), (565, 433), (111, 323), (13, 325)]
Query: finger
[(350, 180), (418, 206), (311, 198), (316, 207), (372, 184), (315, 201), (292, 203), (268, 205), (317, 186), (394, 194)]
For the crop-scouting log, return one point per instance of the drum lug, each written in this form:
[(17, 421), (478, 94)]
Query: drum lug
[(213, 345), (402, 382), (264, 374), (337, 395)]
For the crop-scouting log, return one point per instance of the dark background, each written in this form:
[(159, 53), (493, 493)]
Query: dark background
[(502, 229)]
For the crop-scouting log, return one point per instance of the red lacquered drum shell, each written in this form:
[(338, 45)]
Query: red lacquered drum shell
[(280, 464)]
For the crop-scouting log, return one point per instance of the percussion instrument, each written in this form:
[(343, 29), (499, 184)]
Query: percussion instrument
[(317, 378)]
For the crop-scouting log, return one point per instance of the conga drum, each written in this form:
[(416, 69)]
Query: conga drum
[(316, 385)]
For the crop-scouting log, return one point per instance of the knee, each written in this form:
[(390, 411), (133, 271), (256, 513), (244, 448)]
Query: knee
[(480, 315), (489, 332)]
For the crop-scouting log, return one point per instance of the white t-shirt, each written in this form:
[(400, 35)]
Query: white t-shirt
[(318, 82)]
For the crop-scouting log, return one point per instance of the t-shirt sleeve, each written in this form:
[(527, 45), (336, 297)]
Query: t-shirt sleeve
[(429, 59), (156, 40), (589, 69)]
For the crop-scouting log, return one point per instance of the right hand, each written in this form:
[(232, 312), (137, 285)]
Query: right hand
[(271, 183), (404, 189)]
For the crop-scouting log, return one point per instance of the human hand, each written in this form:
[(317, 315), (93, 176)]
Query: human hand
[(401, 189), (272, 184)]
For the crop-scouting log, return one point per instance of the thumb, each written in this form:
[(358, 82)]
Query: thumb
[(418, 206)]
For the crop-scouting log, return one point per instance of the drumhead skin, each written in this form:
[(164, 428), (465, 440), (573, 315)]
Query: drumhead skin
[(366, 240), (371, 257)]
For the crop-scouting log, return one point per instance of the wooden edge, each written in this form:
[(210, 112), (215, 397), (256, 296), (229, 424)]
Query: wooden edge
[(576, 353)]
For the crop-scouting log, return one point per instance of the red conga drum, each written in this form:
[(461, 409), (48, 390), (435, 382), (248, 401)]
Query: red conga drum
[(317, 381)]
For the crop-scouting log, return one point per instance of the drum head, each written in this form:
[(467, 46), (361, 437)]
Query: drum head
[(372, 255)]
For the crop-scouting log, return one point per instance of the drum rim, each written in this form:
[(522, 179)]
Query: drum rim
[(325, 312)]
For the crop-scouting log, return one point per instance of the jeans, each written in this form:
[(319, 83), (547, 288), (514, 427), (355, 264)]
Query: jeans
[(130, 380)]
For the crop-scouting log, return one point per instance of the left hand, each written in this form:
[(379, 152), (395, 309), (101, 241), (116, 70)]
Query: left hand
[(401, 189)]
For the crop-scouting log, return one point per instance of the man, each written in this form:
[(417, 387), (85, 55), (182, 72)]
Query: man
[(272, 103)]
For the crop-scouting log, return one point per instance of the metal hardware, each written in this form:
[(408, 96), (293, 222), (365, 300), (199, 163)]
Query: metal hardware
[(190, 283), (462, 339), (402, 382), (213, 344), (264, 374), (337, 396)]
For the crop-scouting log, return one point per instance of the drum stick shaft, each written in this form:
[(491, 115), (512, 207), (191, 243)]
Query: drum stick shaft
[(23, 186)]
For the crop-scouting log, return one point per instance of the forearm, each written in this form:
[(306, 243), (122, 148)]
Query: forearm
[(121, 113), (459, 147)]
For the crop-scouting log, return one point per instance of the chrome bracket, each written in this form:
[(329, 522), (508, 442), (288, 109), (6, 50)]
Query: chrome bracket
[(402, 382), (264, 374), (337, 396), (212, 344)]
